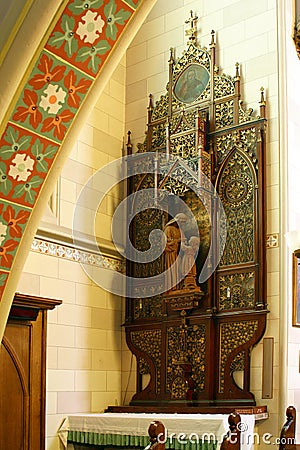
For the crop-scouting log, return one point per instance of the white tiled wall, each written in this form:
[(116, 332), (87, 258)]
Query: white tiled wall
[(292, 195)]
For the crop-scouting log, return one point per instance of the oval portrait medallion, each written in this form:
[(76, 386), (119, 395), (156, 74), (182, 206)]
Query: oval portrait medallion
[(191, 83)]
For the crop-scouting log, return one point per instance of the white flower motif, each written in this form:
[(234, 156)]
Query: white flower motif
[(21, 167), (53, 98), (91, 28), (3, 230)]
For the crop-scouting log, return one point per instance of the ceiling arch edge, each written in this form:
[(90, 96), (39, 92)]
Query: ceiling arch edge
[(40, 133)]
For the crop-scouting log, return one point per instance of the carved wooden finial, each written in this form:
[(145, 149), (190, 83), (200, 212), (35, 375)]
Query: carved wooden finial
[(232, 440), (171, 60), (192, 31), (213, 34), (262, 96), (157, 433), (128, 143), (150, 106), (237, 70), (287, 435), (262, 103)]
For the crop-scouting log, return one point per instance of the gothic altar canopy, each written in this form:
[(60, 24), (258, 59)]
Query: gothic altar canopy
[(197, 305)]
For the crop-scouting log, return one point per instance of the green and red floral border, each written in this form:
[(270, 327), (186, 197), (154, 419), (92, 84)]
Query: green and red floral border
[(72, 58)]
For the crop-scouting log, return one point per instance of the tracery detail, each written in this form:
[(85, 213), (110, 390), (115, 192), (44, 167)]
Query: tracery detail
[(232, 336)]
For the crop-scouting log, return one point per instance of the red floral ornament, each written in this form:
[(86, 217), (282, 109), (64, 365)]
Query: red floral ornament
[(30, 99), (56, 123), (5, 258), (82, 86), (47, 75), (9, 216)]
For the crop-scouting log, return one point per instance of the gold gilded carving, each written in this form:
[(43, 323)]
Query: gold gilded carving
[(149, 342), (245, 115), (161, 108), (224, 85), (232, 336), (209, 132), (297, 37), (180, 300), (183, 122), (244, 140), (185, 349), (159, 136), (144, 368), (224, 114), (184, 146), (237, 291), (238, 364), (237, 192), (148, 307)]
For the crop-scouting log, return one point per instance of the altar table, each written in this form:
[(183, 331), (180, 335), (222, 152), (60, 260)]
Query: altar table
[(183, 431)]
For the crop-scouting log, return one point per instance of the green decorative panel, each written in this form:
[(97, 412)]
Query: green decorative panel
[(236, 291), (237, 193)]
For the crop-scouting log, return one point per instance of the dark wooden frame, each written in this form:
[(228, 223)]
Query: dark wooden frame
[(30, 313), (296, 289)]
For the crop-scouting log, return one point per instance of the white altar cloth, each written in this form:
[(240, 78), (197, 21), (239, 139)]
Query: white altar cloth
[(182, 427)]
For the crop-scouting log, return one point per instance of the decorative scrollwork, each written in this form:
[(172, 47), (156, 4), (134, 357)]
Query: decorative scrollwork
[(184, 146), (238, 364), (237, 291), (149, 342), (176, 359), (245, 115), (224, 85), (159, 136), (243, 140), (224, 114), (161, 108), (148, 308), (237, 192), (183, 122), (144, 368), (232, 336)]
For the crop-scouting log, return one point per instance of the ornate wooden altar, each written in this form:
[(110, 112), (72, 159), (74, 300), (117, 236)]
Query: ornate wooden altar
[(192, 340)]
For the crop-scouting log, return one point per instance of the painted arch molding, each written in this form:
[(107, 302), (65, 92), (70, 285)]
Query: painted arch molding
[(83, 45)]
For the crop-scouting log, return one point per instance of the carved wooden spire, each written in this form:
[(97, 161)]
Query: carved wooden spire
[(128, 143), (262, 103)]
